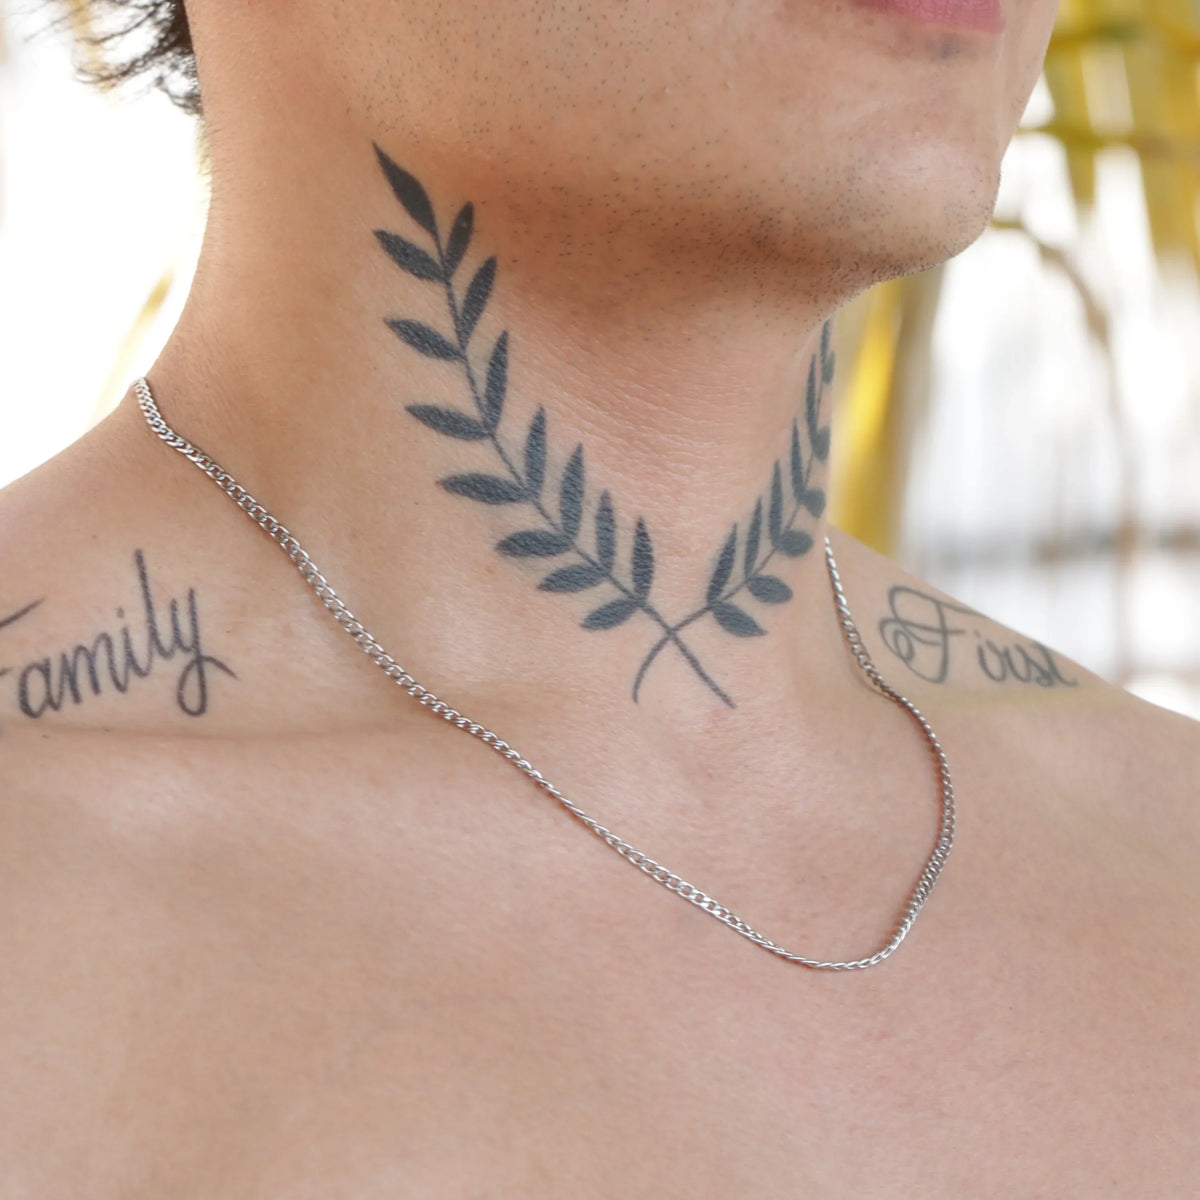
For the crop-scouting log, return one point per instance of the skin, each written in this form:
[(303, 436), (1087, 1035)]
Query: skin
[(299, 938)]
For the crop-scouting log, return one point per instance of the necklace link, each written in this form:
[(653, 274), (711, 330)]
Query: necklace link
[(366, 642)]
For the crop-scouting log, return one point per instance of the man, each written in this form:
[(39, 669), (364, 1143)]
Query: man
[(514, 316)]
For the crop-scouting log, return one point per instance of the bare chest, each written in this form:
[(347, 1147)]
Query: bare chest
[(231, 1008)]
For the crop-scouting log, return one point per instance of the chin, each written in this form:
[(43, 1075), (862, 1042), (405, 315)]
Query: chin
[(896, 215), (830, 208), (924, 227)]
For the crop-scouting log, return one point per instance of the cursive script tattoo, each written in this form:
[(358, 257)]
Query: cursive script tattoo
[(111, 661), (586, 560), (12, 619), (921, 631)]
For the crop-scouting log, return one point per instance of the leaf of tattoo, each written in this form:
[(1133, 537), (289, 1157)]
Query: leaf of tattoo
[(570, 495), (412, 258), (797, 465), (611, 614), (827, 355), (606, 532), (487, 489), (421, 337), (409, 192), (449, 421), (724, 567), (775, 512), (534, 543), (575, 578), (460, 238), (497, 382), (736, 620), (477, 296), (535, 453), (794, 542), (770, 589), (752, 538), (643, 560), (814, 500), (818, 435)]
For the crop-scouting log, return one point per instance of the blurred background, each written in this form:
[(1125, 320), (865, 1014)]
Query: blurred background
[(1021, 427)]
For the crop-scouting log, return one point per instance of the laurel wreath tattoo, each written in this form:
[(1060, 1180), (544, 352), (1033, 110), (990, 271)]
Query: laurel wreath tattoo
[(559, 532)]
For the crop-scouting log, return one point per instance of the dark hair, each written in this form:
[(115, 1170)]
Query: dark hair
[(122, 40)]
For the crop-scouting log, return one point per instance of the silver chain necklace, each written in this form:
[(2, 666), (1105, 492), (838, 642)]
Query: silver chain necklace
[(660, 874)]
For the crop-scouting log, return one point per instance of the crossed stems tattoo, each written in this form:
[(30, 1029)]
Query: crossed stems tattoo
[(768, 533)]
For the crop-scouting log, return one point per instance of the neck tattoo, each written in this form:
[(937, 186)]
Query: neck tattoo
[(590, 561), (592, 564)]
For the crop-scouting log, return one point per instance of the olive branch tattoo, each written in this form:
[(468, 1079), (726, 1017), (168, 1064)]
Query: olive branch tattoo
[(524, 477), (524, 484)]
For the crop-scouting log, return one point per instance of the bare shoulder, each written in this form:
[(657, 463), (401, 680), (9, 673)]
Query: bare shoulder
[(63, 524), (124, 597), (1020, 709), (85, 553)]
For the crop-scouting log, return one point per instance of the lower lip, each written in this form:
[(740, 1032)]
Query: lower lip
[(985, 16)]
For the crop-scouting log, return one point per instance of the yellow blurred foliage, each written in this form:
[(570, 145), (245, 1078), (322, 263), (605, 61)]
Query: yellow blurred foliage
[(1120, 73)]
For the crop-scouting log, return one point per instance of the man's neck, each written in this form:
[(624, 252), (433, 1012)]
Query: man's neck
[(531, 484)]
